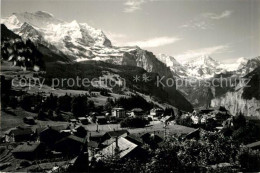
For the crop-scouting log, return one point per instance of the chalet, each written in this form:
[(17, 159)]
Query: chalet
[(29, 150), (20, 134), (101, 119), (70, 145), (156, 112), (203, 119), (137, 112), (167, 119), (195, 119), (118, 113), (29, 120), (50, 135), (121, 148)]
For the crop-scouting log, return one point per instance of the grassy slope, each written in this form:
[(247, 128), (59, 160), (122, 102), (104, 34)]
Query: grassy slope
[(93, 69)]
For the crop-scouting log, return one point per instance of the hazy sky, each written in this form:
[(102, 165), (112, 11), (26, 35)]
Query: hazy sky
[(224, 29)]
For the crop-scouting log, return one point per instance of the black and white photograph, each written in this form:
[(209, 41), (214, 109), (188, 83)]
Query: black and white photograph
[(130, 86)]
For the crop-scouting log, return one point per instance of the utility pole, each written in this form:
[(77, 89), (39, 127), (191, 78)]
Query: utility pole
[(97, 124), (165, 126)]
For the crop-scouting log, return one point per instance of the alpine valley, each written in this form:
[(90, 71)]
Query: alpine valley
[(83, 51)]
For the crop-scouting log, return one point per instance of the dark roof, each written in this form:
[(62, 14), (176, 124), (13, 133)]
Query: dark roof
[(72, 137), (117, 133), (55, 128), (21, 131), (135, 139), (26, 147), (254, 144)]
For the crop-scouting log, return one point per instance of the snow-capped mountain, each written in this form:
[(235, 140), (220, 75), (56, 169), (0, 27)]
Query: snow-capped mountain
[(198, 67), (202, 67), (174, 65), (206, 67), (248, 65), (72, 38), (168, 60), (79, 41)]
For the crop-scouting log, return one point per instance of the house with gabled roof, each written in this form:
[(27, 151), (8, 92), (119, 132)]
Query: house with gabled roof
[(51, 134), (20, 134), (137, 112), (121, 148), (118, 112), (70, 145), (29, 150)]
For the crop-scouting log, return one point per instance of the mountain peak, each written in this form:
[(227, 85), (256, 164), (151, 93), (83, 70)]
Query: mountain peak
[(43, 14), (40, 19), (203, 60), (168, 60), (71, 38)]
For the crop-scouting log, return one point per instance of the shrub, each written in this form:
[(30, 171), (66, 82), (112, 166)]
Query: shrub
[(249, 160)]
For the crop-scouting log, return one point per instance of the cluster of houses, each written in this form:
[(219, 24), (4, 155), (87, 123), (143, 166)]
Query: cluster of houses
[(202, 116), (69, 141), (49, 141), (117, 114)]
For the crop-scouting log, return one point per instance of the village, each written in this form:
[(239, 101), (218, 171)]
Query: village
[(61, 132)]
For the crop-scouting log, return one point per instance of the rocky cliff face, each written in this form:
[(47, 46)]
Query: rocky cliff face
[(146, 60), (245, 98), (234, 102)]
